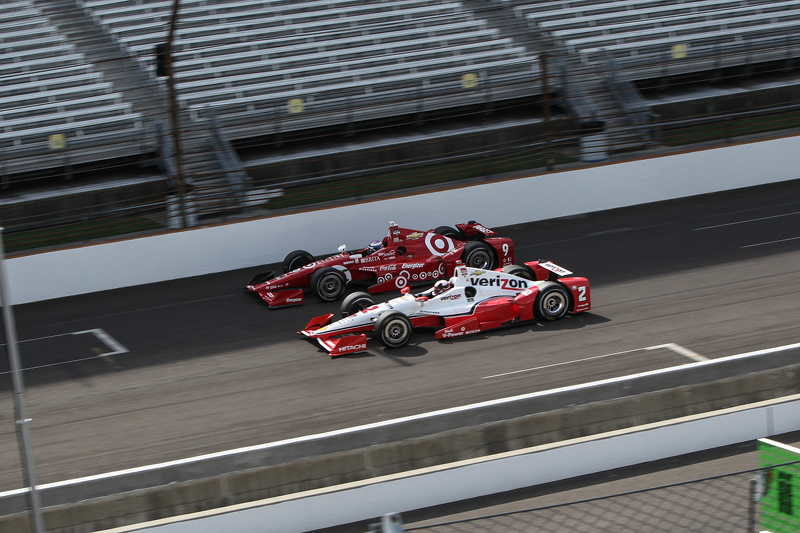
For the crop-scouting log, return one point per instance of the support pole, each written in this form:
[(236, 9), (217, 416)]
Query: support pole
[(20, 413), (173, 111)]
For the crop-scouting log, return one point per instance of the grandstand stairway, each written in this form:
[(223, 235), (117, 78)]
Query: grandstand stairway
[(211, 189), (599, 106)]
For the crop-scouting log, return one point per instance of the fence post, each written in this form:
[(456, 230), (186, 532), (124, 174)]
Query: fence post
[(392, 523)]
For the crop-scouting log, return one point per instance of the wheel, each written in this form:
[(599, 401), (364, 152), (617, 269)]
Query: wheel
[(297, 259), (519, 271), (393, 329), (453, 233), (552, 302), (328, 284), (478, 255), (356, 302)]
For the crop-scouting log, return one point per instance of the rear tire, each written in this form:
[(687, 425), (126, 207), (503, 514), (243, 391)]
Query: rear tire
[(453, 233), (355, 302), (520, 271), (552, 302), (478, 255), (393, 329), (297, 259), (328, 284)]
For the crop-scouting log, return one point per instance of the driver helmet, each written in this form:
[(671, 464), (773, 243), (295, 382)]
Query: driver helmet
[(374, 246), (440, 286)]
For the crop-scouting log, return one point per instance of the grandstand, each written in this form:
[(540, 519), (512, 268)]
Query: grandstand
[(80, 87)]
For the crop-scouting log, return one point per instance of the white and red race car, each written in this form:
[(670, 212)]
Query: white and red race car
[(471, 301)]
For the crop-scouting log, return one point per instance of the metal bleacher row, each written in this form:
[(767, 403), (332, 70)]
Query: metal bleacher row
[(690, 35), (334, 60), (49, 89)]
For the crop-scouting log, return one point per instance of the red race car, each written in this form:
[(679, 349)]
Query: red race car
[(403, 257)]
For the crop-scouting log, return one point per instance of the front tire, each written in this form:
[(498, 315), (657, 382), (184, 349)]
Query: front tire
[(453, 233), (355, 302), (551, 303), (519, 271), (393, 329), (328, 284), (478, 255), (297, 259)]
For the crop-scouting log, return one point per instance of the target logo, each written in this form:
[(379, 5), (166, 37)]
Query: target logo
[(442, 270), (438, 244), (401, 282)]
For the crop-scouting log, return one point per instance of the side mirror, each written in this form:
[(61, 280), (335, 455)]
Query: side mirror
[(342, 248)]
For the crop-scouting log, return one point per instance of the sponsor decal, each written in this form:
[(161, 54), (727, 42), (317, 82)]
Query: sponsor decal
[(401, 281), (412, 265), (459, 333), (502, 283), (442, 270), (388, 268), (463, 271), (438, 244), (483, 229), (387, 277), (323, 328), (552, 267), (414, 236), (293, 300), (478, 273), (352, 347), (451, 297)]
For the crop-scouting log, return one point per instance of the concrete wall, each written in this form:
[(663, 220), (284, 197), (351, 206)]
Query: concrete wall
[(489, 475), (201, 251), (279, 470)]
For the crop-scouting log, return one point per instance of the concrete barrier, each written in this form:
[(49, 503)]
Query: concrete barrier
[(473, 478), (541, 196), (357, 454)]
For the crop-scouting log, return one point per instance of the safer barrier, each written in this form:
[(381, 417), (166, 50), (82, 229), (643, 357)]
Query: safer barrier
[(541, 196)]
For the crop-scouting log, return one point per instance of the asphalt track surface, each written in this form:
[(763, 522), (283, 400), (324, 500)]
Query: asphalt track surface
[(171, 370)]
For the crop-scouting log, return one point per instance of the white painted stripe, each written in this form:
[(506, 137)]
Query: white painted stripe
[(686, 352), (106, 339), (748, 221), (101, 335), (671, 346), (395, 421), (770, 242), (570, 362)]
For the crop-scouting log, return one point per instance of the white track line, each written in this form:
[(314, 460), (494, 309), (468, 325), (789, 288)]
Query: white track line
[(770, 242), (746, 221), (101, 335), (686, 352), (671, 346)]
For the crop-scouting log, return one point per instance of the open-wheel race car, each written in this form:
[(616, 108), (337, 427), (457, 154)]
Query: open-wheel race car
[(472, 301), (404, 257)]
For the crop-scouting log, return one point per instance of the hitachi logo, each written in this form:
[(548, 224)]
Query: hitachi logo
[(352, 347), (503, 283)]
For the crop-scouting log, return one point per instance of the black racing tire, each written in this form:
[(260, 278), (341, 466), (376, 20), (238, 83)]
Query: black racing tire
[(328, 284), (297, 259), (355, 302), (453, 233), (520, 271), (478, 254), (393, 329), (552, 302)]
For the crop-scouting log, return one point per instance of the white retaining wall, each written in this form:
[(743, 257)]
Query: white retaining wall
[(364, 500), (543, 196)]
